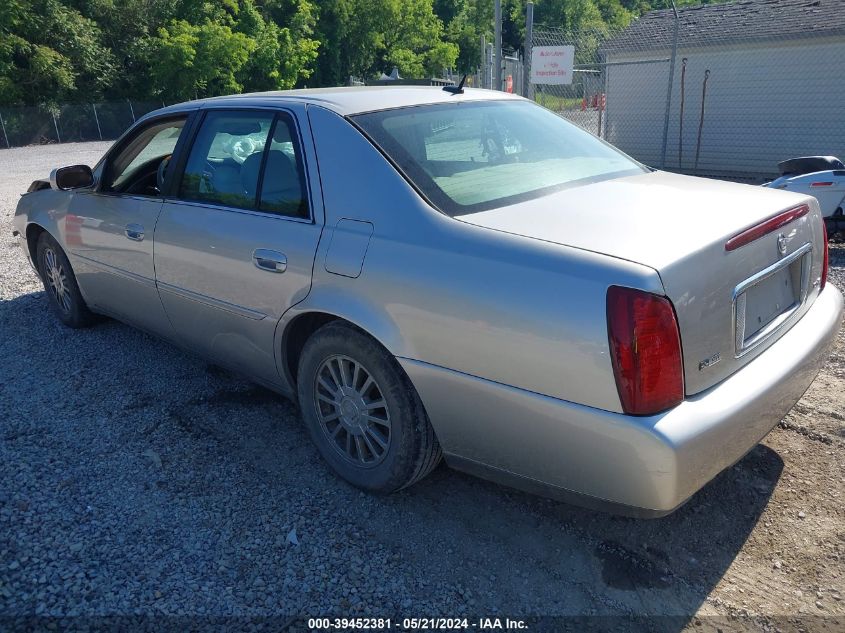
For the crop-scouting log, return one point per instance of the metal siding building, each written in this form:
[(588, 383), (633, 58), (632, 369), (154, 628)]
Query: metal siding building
[(776, 87)]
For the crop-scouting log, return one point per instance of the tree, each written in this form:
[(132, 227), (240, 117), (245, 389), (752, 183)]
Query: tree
[(198, 60), (373, 36), (53, 51), (49, 51)]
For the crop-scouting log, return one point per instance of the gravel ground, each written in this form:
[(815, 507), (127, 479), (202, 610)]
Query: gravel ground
[(138, 480)]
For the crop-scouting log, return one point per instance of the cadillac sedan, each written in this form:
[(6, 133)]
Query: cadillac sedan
[(458, 274)]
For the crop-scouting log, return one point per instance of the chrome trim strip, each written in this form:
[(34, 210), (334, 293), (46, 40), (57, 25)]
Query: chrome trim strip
[(209, 301), (287, 109), (219, 207), (118, 196), (146, 281), (743, 346)]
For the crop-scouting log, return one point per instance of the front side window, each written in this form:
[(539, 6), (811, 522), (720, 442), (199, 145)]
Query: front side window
[(135, 167), (248, 160), (477, 155)]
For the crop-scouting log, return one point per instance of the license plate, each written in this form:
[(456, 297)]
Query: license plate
[(767, 300), (764, 302)]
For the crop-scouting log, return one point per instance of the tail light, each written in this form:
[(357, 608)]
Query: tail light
[(825, 258), (645, 349)]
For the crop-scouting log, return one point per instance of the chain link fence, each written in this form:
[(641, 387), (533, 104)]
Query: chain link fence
[(69, 123), (724, 90)]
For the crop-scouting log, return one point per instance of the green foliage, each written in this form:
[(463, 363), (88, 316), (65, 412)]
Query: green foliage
[(48, 51), (367, 37), (74, 50), (53, 51)]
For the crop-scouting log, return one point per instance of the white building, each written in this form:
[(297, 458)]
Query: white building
[(776, 85)]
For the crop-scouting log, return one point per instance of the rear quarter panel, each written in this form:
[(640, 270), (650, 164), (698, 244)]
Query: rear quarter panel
[(517, 311)]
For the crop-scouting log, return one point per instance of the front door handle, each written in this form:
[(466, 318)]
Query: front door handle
[(274, 261), (134, 232)]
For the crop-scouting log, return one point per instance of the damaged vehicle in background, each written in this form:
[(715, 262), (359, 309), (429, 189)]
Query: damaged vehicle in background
[(822, 177), (456, 273)]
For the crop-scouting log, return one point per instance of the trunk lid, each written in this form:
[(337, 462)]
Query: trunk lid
[(731, 305)]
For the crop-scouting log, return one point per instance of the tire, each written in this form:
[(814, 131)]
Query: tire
[(376, 402), (63, 294)]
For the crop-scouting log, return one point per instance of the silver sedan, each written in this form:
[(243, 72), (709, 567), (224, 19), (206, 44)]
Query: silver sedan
[(456, 274)]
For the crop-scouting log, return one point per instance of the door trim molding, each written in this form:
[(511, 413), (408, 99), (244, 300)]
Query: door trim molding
[(120, 272), (248, 313)]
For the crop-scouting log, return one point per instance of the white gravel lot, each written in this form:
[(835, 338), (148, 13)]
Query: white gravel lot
[(136, 480)]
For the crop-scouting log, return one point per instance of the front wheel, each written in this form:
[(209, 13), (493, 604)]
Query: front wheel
[(60, 284), (362, 411)]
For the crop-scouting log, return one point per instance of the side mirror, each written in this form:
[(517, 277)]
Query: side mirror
[(73, 177)]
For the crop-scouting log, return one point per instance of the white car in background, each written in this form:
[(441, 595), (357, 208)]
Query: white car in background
[(822, 177)]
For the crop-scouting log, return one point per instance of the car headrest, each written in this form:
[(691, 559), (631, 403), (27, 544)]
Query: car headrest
[(249, 173), (279, 175)]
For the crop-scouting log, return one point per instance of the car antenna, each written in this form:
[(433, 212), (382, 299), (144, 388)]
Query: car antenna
[(456, 90)]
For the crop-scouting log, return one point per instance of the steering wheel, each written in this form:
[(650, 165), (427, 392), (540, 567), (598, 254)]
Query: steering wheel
[(162, 171)]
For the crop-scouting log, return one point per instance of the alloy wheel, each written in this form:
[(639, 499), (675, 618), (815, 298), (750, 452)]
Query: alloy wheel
[(57, 280), (352, 411)]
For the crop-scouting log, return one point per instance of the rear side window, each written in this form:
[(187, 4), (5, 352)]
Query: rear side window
[(248, 160), (283, 183)]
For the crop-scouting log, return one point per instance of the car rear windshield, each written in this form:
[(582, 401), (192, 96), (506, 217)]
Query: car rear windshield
[(477, 155)]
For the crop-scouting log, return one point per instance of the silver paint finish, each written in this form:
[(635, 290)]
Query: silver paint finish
[(104, 239), (347, 101), (498, 317), (220, 303), (348, 247), (654, 462), (483, 302), (678, 226)]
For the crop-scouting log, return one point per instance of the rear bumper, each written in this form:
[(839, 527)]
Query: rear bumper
[(638, 466)]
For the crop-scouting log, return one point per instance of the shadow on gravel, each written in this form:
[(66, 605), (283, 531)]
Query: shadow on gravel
[(180, 449), (665, 566)]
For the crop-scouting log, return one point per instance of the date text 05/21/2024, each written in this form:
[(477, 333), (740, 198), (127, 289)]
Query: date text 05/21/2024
[(417, 624)]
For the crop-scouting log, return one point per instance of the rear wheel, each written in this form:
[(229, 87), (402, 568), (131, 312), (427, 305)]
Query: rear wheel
[(63, 294), (362, 411)]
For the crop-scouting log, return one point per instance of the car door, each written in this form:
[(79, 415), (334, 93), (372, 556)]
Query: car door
[(109, 229), (236, 240)]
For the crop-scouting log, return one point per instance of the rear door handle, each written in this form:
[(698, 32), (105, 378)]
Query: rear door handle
[(134, 232), (274, 261)]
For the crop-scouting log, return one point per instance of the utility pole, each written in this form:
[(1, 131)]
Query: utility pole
[(669, 87), (529, 44), (497, 53), (483, 74), (6, 136)]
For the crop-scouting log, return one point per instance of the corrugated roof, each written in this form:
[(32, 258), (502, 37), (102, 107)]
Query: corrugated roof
[(717, 24)]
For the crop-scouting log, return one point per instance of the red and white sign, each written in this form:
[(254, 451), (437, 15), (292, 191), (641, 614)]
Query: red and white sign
[(552, 65)]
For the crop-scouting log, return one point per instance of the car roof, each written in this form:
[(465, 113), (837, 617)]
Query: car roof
[(347, 101)]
